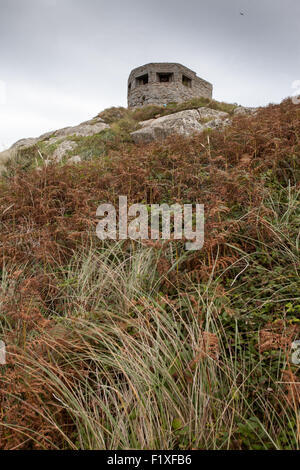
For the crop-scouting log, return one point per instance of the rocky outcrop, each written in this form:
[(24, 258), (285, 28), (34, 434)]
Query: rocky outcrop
[(75, 159), (62, 149), (184, 123), (209, 113), (85, 129), (65, 145), (244, 111)]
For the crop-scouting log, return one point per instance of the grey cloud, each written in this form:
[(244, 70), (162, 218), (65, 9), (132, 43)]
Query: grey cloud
[(86, 48)]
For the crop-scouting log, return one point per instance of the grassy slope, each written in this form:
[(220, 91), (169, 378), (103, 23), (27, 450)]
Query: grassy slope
[(130, 345), (122, 121)]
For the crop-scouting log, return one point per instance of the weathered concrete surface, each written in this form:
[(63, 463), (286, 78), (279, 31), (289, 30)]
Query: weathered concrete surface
[(184, 123), (156, 92)]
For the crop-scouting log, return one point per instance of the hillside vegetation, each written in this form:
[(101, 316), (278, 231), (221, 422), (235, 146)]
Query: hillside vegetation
[(143, 345), (120, 123)]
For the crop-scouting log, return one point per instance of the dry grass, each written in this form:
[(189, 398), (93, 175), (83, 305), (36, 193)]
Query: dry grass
[(124, 345)]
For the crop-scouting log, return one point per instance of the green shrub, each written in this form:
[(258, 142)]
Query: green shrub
[(113, 114)]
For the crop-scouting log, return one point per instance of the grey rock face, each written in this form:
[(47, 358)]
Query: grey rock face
[(24, 143), (296, 353), (184, 123), (62, 149), (85, 129), (74, 160), (242, 110), (206, 113), (6, 155)]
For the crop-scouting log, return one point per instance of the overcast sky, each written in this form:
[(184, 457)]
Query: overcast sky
[(63, 61)]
